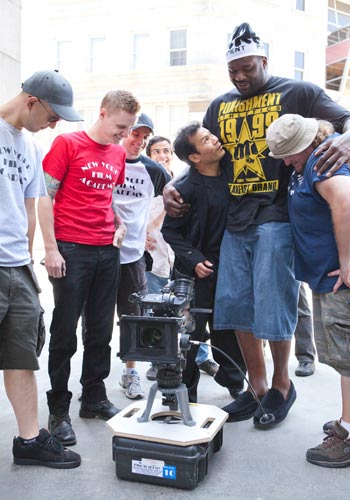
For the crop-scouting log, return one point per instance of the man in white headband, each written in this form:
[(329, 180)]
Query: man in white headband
[(257, 293)]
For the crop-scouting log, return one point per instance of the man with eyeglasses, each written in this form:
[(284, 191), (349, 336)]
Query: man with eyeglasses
[(44, 96)]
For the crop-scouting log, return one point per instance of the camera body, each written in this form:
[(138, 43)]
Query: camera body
[(161, 334)]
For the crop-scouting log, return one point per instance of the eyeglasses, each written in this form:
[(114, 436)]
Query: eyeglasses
[(51, 118)]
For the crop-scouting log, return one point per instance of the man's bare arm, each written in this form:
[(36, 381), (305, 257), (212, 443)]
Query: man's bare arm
[(120, 227), (336, 192), (54, 262), (336, 152), (173, 202), (29, 204)]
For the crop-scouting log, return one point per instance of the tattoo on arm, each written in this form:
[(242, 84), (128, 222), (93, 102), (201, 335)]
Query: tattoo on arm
[(52, 185)]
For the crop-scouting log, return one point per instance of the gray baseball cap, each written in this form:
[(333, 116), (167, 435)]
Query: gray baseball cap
[(52, 87), (144, 121)]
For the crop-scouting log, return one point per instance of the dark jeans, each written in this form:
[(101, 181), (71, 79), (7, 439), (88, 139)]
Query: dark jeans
[(91, 278)]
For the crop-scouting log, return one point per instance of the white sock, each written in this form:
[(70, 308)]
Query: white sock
[(346, 425), (129, 371)]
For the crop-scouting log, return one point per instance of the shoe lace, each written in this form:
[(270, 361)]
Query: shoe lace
[(52, 443), (331, 441), (134, 381)]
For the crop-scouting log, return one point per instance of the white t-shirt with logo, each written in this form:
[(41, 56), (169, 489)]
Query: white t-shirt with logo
[(144, 179), (21, 177)]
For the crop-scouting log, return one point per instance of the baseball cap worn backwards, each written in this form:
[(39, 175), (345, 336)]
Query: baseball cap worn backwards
[(50, 86), (244, 42), (290, 135), (144, 121)]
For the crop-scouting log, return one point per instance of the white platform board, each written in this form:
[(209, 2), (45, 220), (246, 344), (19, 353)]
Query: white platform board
[(209, 420)]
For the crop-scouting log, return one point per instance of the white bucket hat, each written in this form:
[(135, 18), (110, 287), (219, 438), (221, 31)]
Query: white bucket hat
[(290, 135)]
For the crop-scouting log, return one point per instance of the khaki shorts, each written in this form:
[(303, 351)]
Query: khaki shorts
[(331, 313), (19, 318)]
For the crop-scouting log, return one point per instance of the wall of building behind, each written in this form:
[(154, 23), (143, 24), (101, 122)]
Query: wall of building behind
[(10, 48), (172, 95)]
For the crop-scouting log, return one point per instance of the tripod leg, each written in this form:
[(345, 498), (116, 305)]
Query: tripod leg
[(150, 400), (182, 397)]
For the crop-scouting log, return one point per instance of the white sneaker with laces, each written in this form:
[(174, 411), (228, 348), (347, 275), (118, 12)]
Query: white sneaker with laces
[(131, 384)]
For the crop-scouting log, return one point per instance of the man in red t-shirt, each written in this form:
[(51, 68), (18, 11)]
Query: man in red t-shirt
[(82, 238)]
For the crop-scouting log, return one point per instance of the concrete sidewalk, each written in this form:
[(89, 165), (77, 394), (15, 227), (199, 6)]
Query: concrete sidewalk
[(252, 464)]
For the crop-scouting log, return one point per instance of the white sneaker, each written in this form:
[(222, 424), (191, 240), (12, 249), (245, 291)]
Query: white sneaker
[(131, 385)]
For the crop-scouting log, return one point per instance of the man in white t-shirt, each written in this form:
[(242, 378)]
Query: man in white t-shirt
[(144, 179), (46, 98)]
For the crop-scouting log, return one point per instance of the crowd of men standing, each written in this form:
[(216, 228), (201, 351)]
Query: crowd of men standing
[(95, 193)]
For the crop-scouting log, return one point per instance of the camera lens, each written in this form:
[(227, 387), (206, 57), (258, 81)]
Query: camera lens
[(152, 338)]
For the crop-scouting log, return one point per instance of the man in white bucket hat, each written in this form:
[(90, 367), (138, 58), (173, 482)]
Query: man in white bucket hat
[(257, 293)]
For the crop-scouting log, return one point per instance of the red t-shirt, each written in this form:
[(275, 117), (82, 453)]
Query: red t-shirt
[(88, 172)]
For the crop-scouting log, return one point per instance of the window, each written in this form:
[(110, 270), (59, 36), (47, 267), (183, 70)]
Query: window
[(97, 61), (141, 51), (300, 4), (64, 56), (338, 15), (178, 48), (299, 65)]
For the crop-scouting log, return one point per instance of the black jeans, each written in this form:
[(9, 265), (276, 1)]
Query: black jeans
[(91, 278), (228, 375)]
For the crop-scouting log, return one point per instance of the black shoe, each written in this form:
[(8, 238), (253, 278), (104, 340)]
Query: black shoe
[(243, 408), (61, 428), (209, 366), (45, 450), (103, 409), (305, 369), (275, 405), (235, 393)]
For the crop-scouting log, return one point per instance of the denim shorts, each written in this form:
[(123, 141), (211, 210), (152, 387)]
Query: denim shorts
[(256, 289), (331, 313), (19, 318)]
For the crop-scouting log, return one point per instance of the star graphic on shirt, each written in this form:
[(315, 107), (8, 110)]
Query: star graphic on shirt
[(246, 153)]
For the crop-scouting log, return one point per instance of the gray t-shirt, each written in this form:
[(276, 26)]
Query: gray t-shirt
[(21, 177)]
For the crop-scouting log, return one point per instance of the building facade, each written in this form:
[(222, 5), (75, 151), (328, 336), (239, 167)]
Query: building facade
[(10, 48), (170, 54)]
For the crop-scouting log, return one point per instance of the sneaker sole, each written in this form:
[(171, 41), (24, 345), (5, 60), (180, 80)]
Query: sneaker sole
[(52, 465), (138, 396), (303, 374), (329, 465)]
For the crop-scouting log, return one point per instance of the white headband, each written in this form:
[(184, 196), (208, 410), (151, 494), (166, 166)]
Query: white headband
[(245, 49)]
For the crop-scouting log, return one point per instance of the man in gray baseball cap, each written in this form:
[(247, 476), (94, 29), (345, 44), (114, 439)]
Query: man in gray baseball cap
[(21, 181), (53, 88)]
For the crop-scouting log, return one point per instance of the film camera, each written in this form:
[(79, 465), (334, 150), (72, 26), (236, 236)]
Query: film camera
[(161, 335)]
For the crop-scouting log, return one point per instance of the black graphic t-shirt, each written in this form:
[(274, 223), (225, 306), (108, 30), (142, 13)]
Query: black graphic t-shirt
[(258, 183), (217, 209)]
